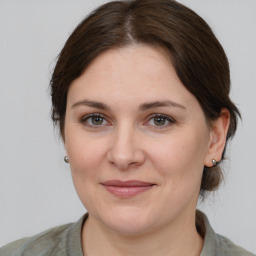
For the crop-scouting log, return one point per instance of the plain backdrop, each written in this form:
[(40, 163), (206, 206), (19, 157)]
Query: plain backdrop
[(36, 190)]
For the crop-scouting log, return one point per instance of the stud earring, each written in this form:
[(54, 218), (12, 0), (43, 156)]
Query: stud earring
[(66, 159), (214, 162)]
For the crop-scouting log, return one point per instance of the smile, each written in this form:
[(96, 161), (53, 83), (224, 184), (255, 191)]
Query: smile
[(127, 188)]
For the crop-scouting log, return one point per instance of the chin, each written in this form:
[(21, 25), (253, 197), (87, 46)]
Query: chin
[(128, 220)]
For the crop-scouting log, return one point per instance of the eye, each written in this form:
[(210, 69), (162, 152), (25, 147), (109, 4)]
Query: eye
[(160, 120), (94, 120)]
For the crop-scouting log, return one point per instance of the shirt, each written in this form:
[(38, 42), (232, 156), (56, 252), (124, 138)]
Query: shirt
[(65, 240)]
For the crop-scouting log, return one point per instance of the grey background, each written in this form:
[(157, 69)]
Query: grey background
[(36, 190)]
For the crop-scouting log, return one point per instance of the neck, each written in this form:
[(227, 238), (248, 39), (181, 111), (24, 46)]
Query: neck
[(176, 239)]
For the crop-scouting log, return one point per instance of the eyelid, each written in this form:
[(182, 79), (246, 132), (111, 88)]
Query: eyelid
[(161, 115), (168, 118), (84, 118)]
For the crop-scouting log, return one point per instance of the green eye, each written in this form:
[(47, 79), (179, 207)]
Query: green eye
[(159, 121), (94, 120), (97, 120)]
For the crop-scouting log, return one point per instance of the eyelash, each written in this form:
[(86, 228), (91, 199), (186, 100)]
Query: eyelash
[(85, 119), (170, 120), (165, 117)]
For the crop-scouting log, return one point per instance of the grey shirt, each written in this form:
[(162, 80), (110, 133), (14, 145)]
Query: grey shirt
[(66, 241)]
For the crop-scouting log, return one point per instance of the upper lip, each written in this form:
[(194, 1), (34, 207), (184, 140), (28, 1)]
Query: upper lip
[(128, 183)]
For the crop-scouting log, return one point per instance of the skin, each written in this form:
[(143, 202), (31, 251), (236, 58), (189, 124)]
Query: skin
[(127, 142)]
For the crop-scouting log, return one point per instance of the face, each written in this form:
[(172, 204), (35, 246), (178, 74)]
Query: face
[(137, 141)]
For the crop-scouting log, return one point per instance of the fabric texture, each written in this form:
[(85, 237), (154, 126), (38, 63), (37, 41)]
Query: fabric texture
[(66, 241)]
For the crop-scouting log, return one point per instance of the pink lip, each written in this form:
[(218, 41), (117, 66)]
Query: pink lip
[(127, 188)]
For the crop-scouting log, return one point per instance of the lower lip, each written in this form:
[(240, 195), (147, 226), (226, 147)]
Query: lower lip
[(127, 191)]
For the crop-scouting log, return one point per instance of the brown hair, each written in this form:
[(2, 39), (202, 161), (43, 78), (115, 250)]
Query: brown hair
[(197, 56)]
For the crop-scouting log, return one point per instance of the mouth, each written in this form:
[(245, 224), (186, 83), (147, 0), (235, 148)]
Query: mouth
[(128, 188)]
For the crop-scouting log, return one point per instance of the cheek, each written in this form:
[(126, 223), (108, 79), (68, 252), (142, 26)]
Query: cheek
[(86, 160), (179, 155), (86, 156), (180, 164)]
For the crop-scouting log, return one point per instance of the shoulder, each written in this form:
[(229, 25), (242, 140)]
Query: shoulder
[(45, 242), (228, 248), (215, 244), (56, 241)]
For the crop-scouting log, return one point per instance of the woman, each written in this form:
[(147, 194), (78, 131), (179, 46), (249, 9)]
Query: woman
[(140, 93)]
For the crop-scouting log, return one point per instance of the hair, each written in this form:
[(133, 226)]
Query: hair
[(197, 56)]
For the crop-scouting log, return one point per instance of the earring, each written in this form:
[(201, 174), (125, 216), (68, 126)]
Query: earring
[(66, 159), (214, 162)]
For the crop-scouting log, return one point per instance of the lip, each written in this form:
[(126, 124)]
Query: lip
[(127, 188)]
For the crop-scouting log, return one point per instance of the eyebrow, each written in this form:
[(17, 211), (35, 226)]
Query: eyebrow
[(93, 104), (143, 107), (155, 104)]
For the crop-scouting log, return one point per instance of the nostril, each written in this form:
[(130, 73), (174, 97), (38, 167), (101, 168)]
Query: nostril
[(124, 150), (125, 161)]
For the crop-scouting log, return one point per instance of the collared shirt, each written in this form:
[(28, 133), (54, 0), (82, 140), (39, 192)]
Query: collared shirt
[(66, 241)]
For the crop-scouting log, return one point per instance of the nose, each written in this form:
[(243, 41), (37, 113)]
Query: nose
[(125, 150)]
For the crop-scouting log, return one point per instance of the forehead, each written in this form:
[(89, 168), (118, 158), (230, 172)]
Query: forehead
[(136, 72)]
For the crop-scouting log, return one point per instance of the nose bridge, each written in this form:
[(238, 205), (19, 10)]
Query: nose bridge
[(125, 150), (124, 135)]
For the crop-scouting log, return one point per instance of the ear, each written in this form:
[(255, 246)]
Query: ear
[(218, 135)]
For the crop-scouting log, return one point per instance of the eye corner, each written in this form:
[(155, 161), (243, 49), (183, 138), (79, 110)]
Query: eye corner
[(94, 120), (165, 121)]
